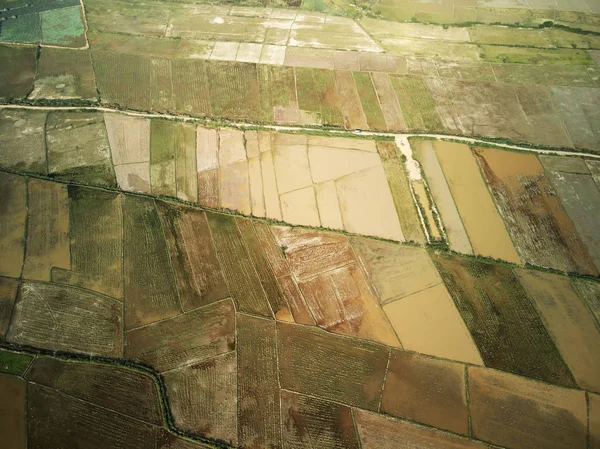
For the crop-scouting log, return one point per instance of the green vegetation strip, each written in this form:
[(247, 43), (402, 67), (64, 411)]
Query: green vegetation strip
[(12, 362)]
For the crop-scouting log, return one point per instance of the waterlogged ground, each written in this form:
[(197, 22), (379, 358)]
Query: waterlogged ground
[(190, 275)]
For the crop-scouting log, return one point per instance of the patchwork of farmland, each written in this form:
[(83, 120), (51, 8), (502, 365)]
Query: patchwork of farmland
[(530, 84), (48, 22), (535, 216), (198, 253), (493, 203), (217, 315), (310, 180)]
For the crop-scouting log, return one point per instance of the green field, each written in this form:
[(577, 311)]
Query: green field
[(63, 27), (123, 79), (190, 86), (14, 362), (233, 89), (517, 55), (317, 94), (418, 108), (277, 94), (369, 100), (24, 28)]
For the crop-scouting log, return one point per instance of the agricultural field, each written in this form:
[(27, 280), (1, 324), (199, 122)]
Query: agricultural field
[(64, 74), (528, 84), (488, 202), (302, 180), (521, 102), (540, 209), (535, 85), (249, 304), (56, 22), (300, 224)]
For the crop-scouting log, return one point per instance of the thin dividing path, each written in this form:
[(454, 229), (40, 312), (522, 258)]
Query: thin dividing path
[(395, 135)]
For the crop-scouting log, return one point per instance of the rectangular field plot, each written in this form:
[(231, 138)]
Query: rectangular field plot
[(309, 58), (228, 28), (243, 282), (129, 139), (506, 328), (543, 233), (202, 397), (466, 71), (197, 270), (276, 297), (23, 28), (190, 338), (350, 105), (259, 421), (569, 322), (80, 422), (330, 423), (13, 362), (381, 432), (578, 109), (518, 55), (64, 318), (13, 203), (545, 75), (78, 148), (389, 102), (126, 391), (401, 193), (317, 95), (123, 79), (369, 101), (162, 158), (485, 228), (17, 77), (358, 382), (132, 45), (161, 85), (233, 89), (23, 140), (48, 229), (424, 152), (100, 271), (173, 160), (150, 290), (418, 107), (559, 423), (190, 86), (8, 294), (13, 406), (128, 17), (517, 112), (64, 27), (277, 94), (343, 35), (64, 74), (442, 398), (581, 199)]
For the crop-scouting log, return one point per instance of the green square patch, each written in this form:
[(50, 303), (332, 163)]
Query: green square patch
[(14, 362), (22, 29), (63, 27)]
